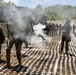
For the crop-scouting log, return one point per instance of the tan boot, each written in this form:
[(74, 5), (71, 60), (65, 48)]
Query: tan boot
[(7, 66)]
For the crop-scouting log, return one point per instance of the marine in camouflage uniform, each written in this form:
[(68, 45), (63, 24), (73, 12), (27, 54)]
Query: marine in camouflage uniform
[(18, 46), (66, 38), (2, 38)]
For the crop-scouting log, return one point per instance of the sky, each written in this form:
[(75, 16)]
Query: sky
[(34, 3)]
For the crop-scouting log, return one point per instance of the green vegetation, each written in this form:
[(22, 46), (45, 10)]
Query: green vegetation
[(60, 12), (3, 3), (52, 12)]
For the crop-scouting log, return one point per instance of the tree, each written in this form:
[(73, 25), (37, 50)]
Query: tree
[(38, 8), (1, 0), (3, 3)]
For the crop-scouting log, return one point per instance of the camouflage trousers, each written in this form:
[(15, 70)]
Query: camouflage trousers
[(18, 46), (0, 51), (66, 42)]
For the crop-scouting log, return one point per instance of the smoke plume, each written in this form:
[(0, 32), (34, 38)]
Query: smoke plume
[(39, 32), (20, 20)]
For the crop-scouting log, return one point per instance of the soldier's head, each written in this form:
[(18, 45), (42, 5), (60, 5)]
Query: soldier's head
[(67, 22)]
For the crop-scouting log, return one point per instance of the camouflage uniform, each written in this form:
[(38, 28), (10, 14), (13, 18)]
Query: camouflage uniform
[(66, 36), (18, 45), (2, 38)]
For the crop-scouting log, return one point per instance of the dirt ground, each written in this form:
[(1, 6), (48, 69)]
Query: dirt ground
[(41, 59)]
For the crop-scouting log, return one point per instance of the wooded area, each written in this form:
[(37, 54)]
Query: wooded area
[(51, 12)]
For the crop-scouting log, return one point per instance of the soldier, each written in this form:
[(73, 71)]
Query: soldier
[(18, 45), (60, 28), (66, 36), (2, 38)]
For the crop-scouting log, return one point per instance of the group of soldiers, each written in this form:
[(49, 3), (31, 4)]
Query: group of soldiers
[(66, 38), (53, 29)]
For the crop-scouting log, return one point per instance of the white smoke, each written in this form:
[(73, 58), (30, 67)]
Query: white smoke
[(38, 29), (40, 35), (18, 20)]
